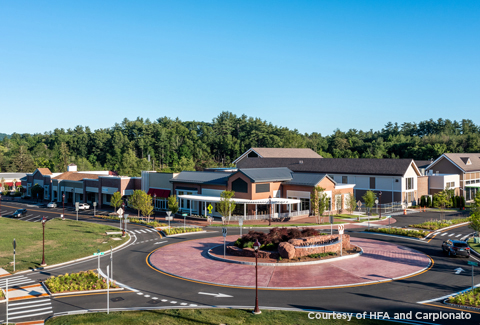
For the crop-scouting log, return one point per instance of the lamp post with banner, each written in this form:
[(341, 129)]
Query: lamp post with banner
[(154, 206), (44, 220), (0, 205), (14, 249), (63, 203), (256, 246), (169, 218), (224, 233), (94, 208)]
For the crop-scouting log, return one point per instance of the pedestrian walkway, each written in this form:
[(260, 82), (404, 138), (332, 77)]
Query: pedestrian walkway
[(25, 309), (3, 272), (15, 281), (451, 235)]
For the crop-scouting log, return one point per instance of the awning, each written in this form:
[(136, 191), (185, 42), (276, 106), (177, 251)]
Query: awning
[(159, 193), (240, 201), (11, 183)]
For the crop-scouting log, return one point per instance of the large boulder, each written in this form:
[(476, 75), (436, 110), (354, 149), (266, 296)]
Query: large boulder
[(286, 250)]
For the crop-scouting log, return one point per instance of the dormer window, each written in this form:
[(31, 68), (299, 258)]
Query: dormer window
[(466, 160)]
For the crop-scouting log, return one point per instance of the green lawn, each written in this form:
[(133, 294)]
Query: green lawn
[(203, 316), (474, 246), (65, 240)]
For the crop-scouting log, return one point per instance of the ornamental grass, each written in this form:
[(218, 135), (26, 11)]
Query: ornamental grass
[(400, 232), (469, 298), (437, 224), (180, 230), (81, 281)]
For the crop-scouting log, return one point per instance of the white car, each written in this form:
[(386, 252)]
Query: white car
[(83, 206), (52, 205)]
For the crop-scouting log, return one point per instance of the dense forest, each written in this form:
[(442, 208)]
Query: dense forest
[(173, 145)]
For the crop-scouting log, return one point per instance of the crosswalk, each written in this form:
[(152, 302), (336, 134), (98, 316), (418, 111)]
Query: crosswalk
[(133, 232), (29, 308), (15, 281), (451, 235)]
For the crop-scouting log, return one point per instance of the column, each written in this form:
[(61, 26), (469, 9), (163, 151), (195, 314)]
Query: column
[(244, 210), (190, 207), (256, 210), (205, 208)]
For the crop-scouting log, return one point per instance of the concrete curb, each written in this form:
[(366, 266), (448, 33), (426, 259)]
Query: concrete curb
[(72, 261), (283, 264)]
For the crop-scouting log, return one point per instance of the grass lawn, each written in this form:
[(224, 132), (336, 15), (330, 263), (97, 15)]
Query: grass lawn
[(474, 246), (65, 240), (203, 316)]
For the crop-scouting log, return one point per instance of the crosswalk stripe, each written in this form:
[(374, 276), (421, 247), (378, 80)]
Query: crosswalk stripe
[(443, 234), (23, 307), (32, 315), (29, 302), (458, 235), (28, 311), (138, 231), (143, 231), (15, 283), (451, 235)]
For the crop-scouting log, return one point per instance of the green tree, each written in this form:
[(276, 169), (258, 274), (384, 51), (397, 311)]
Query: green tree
[(319, 202), (351, 203), (369, 199), (135, 201), (429, 202), (173, 204), (442, 201), (145, 205), (116, 200), (37, 191), (226, 205)]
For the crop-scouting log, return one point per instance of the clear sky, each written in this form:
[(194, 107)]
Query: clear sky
[(310, 65)]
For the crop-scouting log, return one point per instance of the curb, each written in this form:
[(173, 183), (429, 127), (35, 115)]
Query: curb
[(82, 292), (72, 261), (284, 264), (460, 306)]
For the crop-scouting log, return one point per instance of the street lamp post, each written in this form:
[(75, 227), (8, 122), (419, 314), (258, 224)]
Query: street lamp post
[(380, 204), (154, 206), (44, 220), (123, 230), (63, 202), (256, 246), (0, 205), (270, 216)]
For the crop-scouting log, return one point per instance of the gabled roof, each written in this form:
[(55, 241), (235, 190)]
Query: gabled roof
[(307, 179), (360, 166), (280, 153), (44, 171), (467, 162), (257, 175), (76, 176), (423, 163), (202, 177)]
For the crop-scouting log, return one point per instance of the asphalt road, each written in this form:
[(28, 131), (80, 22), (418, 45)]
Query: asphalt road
[(149, 288)]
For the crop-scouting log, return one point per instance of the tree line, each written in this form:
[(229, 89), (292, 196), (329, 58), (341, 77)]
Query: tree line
[(174, 145)]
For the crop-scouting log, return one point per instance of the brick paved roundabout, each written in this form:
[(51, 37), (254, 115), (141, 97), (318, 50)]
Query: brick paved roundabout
[(379, 262)]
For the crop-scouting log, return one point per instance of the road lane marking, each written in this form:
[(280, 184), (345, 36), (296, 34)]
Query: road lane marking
[(444, 234)]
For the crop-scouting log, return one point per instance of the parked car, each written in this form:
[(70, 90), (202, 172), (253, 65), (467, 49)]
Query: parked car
[(52, 205), (83, 206), (456, 248), (20, 213)]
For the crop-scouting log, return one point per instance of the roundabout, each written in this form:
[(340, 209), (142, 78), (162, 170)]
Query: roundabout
[(380, 262)]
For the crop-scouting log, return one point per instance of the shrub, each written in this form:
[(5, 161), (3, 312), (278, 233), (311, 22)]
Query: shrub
[(429, 202), (276, 235), (87, 280), (180, 230)]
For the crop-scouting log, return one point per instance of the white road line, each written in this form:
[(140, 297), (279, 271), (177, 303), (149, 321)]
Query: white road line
[(37, 305), (173, 302), (147, 296), (28, 302), (27, 311), (140, 293), (451, 235), (154, 298), (444, 234), (183, 304), (31, 315), (458, 235), (193, 305), (16, 284), (138, 231), (143, 231), (164, 300)]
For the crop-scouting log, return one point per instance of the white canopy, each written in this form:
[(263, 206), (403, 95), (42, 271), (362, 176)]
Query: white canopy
[(205, 198)]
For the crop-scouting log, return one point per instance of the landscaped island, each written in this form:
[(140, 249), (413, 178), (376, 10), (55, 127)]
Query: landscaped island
[(293, 245), (81, 281)]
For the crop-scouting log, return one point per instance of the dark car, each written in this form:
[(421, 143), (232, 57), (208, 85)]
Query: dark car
[(456, 248), (19, 213)]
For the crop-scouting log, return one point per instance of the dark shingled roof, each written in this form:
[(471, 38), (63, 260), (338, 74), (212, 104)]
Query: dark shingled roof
[(361, 166), (267, 174), (423, 163), (202, 178), (307, 179)]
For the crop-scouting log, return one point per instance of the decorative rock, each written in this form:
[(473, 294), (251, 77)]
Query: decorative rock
[(286, 250)]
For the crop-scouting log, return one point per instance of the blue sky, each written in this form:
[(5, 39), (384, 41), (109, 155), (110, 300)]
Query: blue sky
[(310, 65)]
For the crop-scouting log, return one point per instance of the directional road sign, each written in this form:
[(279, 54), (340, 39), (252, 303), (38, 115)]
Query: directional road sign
[(472, 263), (224, 232), (120, 211), (209, 207), (240, 222), (96, 254), (340, 229)]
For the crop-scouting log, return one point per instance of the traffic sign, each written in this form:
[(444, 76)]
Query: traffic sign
[(185, 214), (240, 222), (359, 203), (96, 254), (14, 244), (340, 229), (331, 218), (94, 204), (209, 207), (376, 201), (472, 263), (224, 232), (120, 211)]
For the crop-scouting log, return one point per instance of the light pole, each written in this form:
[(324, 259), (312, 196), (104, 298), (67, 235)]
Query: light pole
[(63, 202), (0, 205), (270, 216), (154, 206), (123, 213), (380, 204), (256, 246), (44, 220)]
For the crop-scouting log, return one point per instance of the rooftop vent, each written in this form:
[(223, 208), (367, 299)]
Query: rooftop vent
[(300, 162)]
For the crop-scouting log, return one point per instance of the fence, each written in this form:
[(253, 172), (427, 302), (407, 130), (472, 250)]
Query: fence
[(384, 208)]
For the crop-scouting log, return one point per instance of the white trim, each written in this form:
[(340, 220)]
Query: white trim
[(246, 153), (343, 186), (205, 198)]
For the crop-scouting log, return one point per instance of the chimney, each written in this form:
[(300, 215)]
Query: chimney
[(72, 168)]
